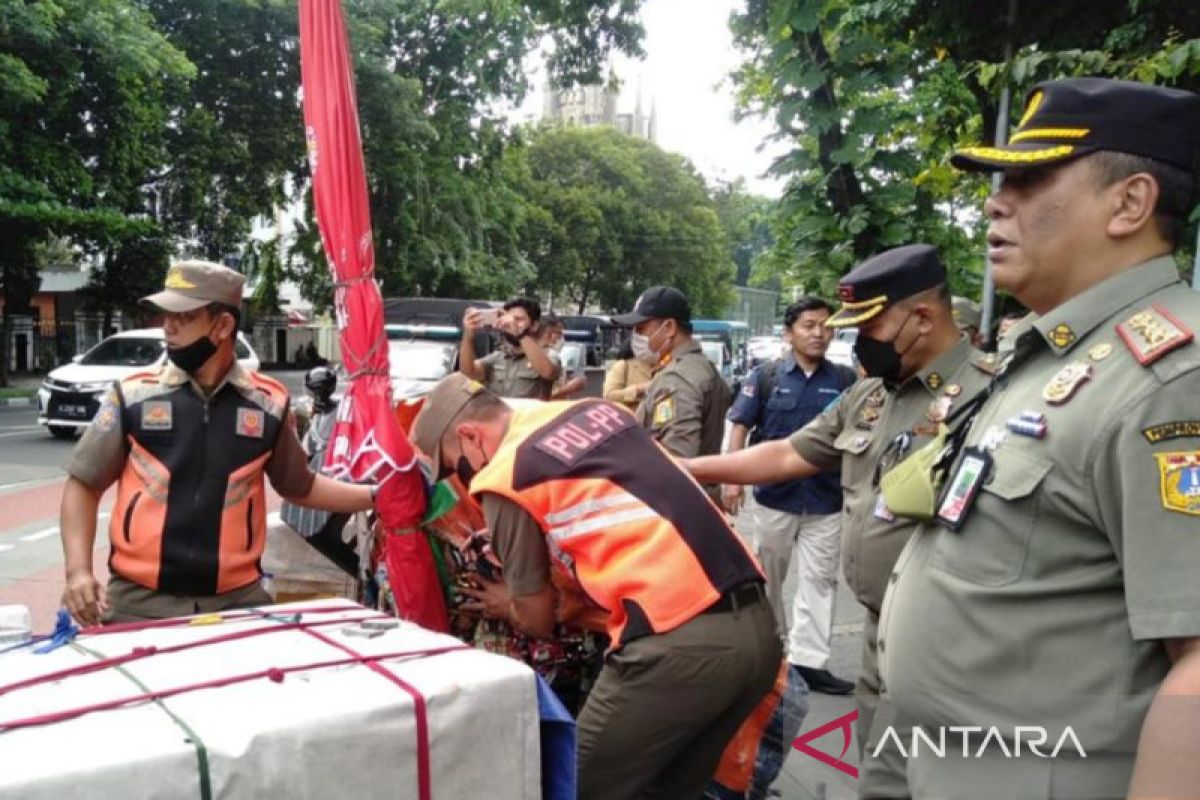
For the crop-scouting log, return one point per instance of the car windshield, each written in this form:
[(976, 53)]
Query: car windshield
[(124, 351), (420, 361)]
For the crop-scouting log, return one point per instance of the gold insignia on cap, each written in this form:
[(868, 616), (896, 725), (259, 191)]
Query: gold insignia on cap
[(474, 386), (934, 380), (1066, 382), (1051, 133), (1100, 351), (1179, 481), (1018, 157), (1062, 335), (175, 280), (1152, 333), (1035, 103)]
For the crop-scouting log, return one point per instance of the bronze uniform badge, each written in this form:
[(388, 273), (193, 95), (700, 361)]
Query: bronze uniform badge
[(1066, 383)]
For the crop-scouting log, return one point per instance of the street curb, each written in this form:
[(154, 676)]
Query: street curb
[(19, 402)]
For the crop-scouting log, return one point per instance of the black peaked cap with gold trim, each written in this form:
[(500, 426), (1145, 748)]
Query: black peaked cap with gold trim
[(884, 280), (1069, 118)]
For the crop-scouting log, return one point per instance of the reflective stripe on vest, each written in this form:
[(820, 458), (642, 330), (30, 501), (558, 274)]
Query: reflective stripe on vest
[(190, 514), (639, 534)]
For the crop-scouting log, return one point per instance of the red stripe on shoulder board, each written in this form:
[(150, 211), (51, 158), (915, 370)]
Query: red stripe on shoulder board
[(1148, 338)]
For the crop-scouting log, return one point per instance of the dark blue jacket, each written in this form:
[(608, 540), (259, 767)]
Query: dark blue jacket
[(793, 402)]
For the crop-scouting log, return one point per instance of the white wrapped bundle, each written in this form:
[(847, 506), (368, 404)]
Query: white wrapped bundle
[(268, 706)]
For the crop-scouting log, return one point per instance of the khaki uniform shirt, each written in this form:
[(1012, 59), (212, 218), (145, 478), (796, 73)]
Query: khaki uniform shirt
[(1081, 551), (685, 404), (509, 373), (99, 457), (852, 434)]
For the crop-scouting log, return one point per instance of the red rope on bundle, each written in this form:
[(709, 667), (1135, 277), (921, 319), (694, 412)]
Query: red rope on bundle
[(139, 653), (424, 782), (275, 674)]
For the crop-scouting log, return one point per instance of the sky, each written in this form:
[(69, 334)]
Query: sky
[(689, 55)]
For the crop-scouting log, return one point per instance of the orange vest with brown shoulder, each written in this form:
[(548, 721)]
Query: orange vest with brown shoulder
[(641, 537)]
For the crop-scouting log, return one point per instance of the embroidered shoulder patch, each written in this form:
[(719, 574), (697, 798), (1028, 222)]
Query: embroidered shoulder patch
[(1152, 333), (1181, 429), (1179, 481), (664, 411), (156, 415), (250, 422)]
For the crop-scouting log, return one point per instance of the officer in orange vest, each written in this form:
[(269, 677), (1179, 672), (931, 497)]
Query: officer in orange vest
[(581, 487), (188, 444)]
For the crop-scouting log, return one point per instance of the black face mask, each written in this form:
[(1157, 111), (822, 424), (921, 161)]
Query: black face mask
[(881, 359), (192, 357), (463, 467), (464, 470)]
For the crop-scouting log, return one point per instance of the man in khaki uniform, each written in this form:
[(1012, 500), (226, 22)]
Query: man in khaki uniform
[(685, 404), (1055, 595), (920, 368), (522, 367), (188, 444)]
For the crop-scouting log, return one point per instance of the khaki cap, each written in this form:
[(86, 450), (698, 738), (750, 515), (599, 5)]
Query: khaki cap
[(447, 400), (195, 284)]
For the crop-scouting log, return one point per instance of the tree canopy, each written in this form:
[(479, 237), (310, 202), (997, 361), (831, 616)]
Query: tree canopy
[(609, 215), (873, 96)]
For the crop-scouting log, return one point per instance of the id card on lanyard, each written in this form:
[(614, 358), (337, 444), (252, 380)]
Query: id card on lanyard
[(964, 487)]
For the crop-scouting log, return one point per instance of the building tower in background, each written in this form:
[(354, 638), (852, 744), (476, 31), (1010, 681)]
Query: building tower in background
[(597, 104)]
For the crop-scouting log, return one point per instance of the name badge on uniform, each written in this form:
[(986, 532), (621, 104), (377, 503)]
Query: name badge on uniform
[(156, 415), (250, 422), (964, 487)]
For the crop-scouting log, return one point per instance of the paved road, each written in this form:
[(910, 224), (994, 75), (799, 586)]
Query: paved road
[(31, 481)]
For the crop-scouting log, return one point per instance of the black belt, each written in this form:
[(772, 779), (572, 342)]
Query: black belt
[(739, 597)]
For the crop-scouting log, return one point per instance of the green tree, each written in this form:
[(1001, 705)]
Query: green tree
[(236, 138), (874, 96), (83, 87), (746, 220), (429, 77), (610, 215)]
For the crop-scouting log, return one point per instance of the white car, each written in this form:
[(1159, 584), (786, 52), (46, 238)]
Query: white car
[(841, 349), (71, 394)]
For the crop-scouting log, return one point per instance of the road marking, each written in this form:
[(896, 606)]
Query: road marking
[(25, 432), (42, 534)]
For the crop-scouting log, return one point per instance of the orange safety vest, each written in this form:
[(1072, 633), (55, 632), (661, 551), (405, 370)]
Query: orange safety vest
[(190, 516), (639, 534)]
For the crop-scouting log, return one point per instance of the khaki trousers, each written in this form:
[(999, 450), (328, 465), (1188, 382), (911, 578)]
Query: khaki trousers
[(666, 705), (132, 602)]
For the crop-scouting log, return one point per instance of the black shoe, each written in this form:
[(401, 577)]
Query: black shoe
[(823, 681)]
